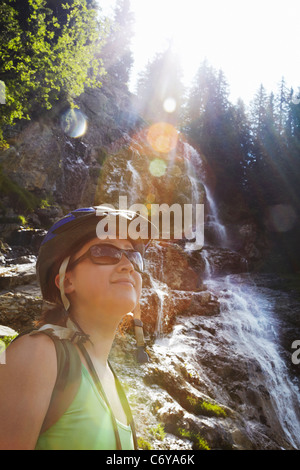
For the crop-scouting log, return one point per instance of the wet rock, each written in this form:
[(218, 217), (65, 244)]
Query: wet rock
[(170, 264), (20, 296), (160, 306), (17, 275), (19, 310)]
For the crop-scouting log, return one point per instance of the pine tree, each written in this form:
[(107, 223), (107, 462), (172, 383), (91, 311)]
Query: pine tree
[(117, 54), (281, 103), (161, 81), (221, 132), (258, 112)]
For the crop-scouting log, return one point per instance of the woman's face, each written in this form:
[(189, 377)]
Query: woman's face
[(108, 289)]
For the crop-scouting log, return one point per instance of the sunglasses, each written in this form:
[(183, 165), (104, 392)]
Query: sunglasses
[(106, 254)]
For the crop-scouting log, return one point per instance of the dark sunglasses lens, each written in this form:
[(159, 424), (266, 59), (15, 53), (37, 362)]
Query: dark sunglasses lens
[(136, 259), (105, 254), (112, 255)]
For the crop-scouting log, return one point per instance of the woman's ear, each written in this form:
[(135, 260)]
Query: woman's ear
[(68, 286)]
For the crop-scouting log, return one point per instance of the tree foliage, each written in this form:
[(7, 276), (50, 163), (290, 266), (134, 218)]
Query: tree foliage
[(161, 80), (117, 54), (43, 57)]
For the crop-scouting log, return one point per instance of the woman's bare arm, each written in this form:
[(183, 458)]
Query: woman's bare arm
[(26, 384)]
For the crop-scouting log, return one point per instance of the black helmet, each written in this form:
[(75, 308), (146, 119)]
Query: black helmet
[(68, 234)]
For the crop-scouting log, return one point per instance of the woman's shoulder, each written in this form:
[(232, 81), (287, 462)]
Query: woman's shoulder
[(27, 380), (32, 352)]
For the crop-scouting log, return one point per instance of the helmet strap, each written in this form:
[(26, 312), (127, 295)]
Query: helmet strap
[(142, 356), (62, 274)]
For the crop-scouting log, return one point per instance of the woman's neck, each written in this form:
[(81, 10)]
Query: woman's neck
[(101, 336)]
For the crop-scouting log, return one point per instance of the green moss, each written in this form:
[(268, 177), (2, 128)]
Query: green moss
[(23, 220), (143, 445), (199, 442), (206, 408), (44, 204), (158, 432)]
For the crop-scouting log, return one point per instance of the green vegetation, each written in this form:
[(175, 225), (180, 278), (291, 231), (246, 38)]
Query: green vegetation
[(144, 445), (158, 432), (206, 408), (23, 220), (44, 57), (199, 442)]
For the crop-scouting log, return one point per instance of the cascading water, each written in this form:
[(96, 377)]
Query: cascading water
[(213, 224), (248, 324), (136, 183)]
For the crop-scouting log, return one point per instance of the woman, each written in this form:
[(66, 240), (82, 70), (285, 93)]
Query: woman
[(92, 282)]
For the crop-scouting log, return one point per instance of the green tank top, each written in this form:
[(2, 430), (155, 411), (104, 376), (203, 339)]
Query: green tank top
[(86, 425)]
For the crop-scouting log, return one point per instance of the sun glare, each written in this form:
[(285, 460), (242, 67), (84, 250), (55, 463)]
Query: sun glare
[(239, 37)]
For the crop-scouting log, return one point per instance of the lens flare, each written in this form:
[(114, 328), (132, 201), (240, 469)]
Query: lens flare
[(169, 105), (74, 123), (162, 137), (157, 167)]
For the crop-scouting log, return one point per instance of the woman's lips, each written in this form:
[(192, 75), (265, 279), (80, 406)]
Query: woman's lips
[(124, 281)]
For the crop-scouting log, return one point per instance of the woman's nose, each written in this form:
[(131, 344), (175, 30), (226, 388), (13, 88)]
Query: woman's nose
[(125, 263)]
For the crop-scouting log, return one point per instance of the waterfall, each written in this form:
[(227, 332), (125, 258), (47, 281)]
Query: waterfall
[(194, 171), (136, 181), (252, 329), (161, 293), (208, 270), (213, 221), (190, 158)]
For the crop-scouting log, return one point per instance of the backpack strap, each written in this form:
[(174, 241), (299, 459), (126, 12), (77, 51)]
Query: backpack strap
[(126, 407), (121, 394), (67, 381)]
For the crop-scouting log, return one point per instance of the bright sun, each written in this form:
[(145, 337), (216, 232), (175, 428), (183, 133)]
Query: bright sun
[(240, 37)]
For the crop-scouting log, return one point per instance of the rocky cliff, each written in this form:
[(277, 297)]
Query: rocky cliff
[(205, 387)]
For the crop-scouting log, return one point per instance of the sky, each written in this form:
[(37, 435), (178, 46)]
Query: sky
[(252, 41)]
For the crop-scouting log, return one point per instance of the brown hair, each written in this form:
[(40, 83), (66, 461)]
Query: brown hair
[(53, 311)]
